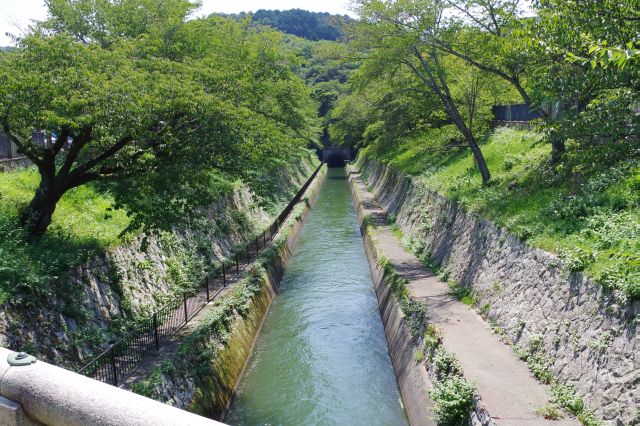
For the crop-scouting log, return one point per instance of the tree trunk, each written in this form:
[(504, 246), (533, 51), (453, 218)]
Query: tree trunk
[(36, 218), (479, 159), (471, 140), (557, 149)]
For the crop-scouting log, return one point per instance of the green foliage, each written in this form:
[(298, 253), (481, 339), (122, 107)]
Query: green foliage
[(567, 398), (549, 412), (396, 231), (415, 312), (589, 57), (431, 338), (453, 401), (149, 386), (415, 315), (577, 259), (147, 94), (462, 293), (445, 364), (535, 358)]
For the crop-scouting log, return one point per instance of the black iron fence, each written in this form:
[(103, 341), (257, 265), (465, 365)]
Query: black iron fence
[(518, 112), (121, 358)]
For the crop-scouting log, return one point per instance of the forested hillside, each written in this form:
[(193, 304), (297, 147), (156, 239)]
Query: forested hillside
[(301, 23)]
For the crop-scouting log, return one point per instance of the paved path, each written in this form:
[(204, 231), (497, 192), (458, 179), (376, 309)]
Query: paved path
[(505, 384), (171, 345)]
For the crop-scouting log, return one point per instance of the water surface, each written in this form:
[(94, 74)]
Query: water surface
[(322, 358)]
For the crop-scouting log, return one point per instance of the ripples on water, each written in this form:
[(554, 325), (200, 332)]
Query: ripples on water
[(322, 357)]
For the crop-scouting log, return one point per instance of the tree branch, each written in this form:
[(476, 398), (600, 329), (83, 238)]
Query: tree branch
[(78, 143), (473, 18), (62, 139), (83, 168)]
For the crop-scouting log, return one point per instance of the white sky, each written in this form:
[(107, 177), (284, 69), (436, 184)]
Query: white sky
[(16, 15)]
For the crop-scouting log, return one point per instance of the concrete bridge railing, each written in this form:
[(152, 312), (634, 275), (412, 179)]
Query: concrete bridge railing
[(42, 394)]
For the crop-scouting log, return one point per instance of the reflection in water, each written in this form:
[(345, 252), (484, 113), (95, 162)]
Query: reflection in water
[(322, 357)]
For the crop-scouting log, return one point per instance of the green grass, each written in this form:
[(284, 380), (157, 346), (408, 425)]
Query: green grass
[(82, 226), (594, 225)]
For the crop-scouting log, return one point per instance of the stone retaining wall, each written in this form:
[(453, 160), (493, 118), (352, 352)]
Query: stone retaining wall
[(588, 339), (8, 164)]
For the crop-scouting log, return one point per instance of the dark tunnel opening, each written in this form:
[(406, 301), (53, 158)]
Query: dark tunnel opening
[(336, 160)]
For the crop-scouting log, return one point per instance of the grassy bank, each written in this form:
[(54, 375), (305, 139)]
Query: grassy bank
[(587, 210), (82, 226)]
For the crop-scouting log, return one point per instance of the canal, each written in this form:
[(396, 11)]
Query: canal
[(322, 357)]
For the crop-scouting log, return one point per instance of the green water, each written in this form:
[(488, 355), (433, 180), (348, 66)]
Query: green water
[(322, 358)]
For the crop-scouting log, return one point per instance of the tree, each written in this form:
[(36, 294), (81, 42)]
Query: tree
[(139, 107), (484, 33), (592, 70), (403, 34), (492, 36)]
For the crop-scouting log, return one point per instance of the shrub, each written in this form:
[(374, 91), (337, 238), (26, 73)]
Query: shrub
[(415, 316), (445, 364), (453, 400), (577, 259)]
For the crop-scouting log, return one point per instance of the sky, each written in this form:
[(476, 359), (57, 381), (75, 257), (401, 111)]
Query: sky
[(16, 15)]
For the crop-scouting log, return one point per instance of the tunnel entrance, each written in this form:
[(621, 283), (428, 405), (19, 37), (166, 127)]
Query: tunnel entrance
[(336, 157)]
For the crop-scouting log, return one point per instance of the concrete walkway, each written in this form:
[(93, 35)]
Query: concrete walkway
[(508, 389), (169, 349)]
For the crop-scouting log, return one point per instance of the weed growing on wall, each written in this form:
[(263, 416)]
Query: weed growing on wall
[(567, 398), (564, 396), (415, 313)]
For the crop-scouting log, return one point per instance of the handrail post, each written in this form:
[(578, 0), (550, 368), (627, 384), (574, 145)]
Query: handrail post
[(248, 254), (184, 299), (224, 276), (237, 265), (155, 331), (257, 247), (264, 238), (113, 367), (207, 282)]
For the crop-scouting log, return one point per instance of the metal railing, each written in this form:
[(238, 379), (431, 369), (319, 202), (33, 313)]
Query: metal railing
[(121, 358)]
